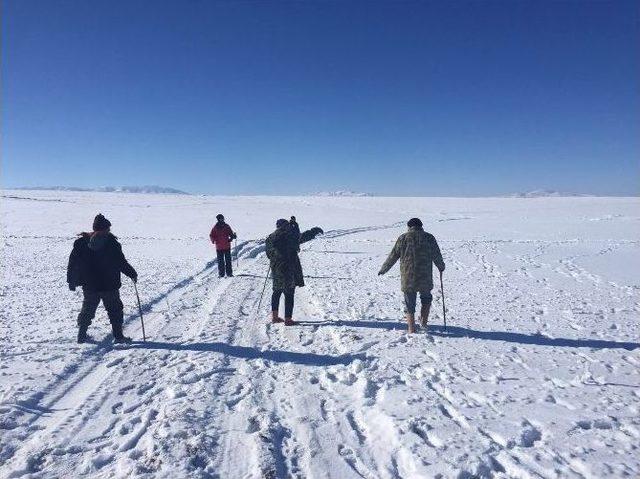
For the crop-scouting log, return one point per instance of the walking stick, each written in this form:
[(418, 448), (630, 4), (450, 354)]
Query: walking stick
[(237, 254), (444, 311), (144, 336), (264, 287)]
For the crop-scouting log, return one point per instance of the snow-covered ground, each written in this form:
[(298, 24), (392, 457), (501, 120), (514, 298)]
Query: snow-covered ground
[(537, 375)]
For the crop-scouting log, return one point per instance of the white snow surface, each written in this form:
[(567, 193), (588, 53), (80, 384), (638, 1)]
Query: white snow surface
[(537, 374)]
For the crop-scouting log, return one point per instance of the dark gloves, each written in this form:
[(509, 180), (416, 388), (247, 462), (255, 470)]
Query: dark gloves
[(380, 273), (233, 236), (310, 234), (134, 278)]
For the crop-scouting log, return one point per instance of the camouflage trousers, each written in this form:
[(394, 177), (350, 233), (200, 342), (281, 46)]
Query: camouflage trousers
[(111, 301), (410, 300)]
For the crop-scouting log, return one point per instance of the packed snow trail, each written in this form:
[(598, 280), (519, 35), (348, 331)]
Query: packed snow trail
[(537, 374)]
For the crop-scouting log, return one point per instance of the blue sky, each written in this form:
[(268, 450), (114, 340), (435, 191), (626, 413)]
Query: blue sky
[(265, 97)]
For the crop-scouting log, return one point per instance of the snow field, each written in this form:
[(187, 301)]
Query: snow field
[(537, 374)]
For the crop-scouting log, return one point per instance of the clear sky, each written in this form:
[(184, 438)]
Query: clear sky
[(290, 97)]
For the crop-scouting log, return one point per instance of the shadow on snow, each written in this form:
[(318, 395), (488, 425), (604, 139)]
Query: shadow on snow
[(535, 339), (460, 332), (305, 359)]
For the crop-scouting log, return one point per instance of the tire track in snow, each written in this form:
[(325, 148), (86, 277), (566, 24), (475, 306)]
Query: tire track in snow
[(284, 443), (64, 408)]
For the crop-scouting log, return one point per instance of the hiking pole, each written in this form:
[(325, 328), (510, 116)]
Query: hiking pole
[(144, 336), (237, 254), (444, 312), (264, 287)]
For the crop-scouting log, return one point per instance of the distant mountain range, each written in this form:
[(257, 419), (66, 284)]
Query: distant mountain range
[(340, 193), (111, 189), (543, 194), (154, 189)]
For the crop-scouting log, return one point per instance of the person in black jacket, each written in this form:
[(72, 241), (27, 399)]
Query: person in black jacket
[(95, 263), (282, 248)]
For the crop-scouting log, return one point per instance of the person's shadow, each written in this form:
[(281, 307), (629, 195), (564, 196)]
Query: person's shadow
[(246, 352), (460, 332)]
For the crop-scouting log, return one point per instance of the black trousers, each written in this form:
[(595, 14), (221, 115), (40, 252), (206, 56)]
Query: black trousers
[(224, 262), (288, 301), (111, 301)]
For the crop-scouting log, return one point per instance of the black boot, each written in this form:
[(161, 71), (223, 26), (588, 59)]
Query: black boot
[(118, 335), (82, 334)]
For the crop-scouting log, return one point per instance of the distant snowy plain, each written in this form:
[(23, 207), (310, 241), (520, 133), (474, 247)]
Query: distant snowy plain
[(537, 375)]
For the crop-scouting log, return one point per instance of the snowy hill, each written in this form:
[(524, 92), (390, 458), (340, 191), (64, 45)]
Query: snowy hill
[(537, 374), (153, 189)]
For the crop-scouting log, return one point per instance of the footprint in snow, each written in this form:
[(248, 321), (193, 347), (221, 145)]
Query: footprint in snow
[(114, 362), (253, 425), (344, 451), (145, 387), (529, 435), (586, 425), (124, 389)]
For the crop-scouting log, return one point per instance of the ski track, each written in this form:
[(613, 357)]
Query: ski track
[(217, 391)]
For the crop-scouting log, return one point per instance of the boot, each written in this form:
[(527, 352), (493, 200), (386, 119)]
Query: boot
[(424, 314), (411, 323), (289, 322), (82, 334), (275, 318), (118, 335)]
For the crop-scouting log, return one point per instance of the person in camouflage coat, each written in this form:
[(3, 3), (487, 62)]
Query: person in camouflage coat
[(286, 270), (417, 251)]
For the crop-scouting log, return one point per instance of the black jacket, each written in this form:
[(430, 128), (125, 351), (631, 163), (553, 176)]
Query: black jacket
[(96, 262), (282, 250), (295, 232)]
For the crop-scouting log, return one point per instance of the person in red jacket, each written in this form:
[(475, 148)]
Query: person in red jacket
[(221, 235)]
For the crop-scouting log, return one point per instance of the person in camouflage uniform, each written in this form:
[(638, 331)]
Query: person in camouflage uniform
[(286, 270), (417, 250)]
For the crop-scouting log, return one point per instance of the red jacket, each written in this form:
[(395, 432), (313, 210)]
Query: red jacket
[(221, 235)]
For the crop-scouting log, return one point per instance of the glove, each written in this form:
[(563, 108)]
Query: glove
[(135, 279), (72, 287), (233, 236), (380, 273)]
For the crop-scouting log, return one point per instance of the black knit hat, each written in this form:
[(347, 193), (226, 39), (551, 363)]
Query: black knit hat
[(220, 217), (414, 222), (281, 222), (100, 223)]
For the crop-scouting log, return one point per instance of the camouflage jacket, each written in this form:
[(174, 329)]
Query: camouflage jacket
[(417, 250)]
